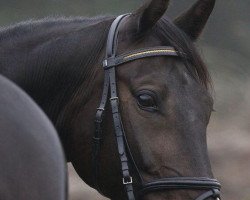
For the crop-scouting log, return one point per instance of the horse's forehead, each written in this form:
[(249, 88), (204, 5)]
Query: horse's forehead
[(157, 71), (150, 40)]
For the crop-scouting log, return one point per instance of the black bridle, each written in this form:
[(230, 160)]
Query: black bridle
[(109, 64)]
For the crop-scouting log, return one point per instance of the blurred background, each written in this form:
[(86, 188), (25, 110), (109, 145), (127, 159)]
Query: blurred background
[(225, 47)]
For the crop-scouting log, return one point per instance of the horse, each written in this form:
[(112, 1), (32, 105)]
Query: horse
[(32, 160), (164, 97)]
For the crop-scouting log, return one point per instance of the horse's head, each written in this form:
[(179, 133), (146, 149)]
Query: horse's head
[(165, 103)]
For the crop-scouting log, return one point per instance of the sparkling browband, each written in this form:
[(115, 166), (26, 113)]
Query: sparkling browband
[(141, 53)]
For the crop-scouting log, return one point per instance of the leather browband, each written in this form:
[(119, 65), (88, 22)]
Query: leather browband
[(139, 54)]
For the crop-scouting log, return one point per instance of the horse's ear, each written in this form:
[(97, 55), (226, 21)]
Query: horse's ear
[(146, 16), (194, 20)]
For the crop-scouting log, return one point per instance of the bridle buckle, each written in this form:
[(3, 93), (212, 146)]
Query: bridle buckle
[(105, 63), (100, 109), (114, 98), (127, 180)]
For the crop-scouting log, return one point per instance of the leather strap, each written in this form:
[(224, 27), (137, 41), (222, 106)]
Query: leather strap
[(110, 81), (215, 193), (139, 54), (193, 183), (114, 102), (98, 131), (196, 183), (100, 110)]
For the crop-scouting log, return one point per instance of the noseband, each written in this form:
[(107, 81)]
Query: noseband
[(109, 64)]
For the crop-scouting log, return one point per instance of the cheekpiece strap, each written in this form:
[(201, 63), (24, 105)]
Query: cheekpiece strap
[(127, 180), (110, 85)]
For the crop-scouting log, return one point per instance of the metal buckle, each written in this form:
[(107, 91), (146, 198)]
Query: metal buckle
[(114, 98), (101, 109), (127, 180), (105, 63), (96, 139), (98, 121)]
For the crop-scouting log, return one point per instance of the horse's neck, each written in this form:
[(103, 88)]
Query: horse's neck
[(49, 79), (56, 73)]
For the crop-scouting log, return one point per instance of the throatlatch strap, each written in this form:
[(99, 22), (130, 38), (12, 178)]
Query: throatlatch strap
[(98, 131)]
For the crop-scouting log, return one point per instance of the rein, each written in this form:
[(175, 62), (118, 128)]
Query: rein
[(109, 65)]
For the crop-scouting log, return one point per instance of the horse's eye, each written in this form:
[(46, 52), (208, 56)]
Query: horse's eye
[(146, 102)]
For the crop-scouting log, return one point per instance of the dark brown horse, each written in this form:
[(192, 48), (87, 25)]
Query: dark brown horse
[(165, 101), (32, 161)]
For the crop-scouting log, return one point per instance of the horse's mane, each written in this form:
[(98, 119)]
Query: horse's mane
[(165, 30), (58, 47), (34, 26)]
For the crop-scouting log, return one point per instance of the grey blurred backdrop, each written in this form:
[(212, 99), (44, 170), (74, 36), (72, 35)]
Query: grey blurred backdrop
[(225, 47)]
